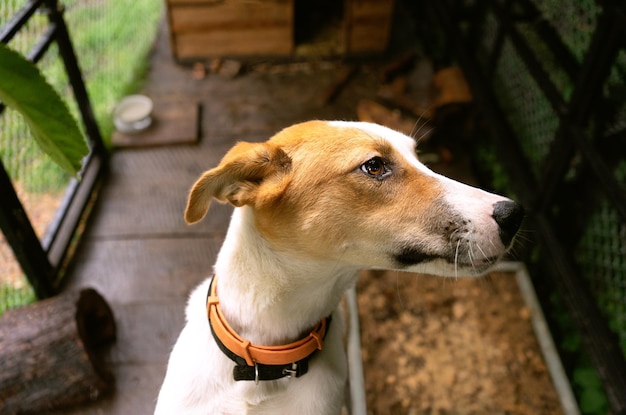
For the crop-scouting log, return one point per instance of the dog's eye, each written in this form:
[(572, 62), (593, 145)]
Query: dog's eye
[(375, 167)]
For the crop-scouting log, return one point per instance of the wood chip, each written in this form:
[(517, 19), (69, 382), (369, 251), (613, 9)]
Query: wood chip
[(372, 111), (451, 87)]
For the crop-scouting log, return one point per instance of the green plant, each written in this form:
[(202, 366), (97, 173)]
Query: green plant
[(23, 88), (15, 296), (111, 51), (584, 379), (592, 399)]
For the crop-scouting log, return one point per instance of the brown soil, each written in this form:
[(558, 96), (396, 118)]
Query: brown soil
[(444, 346), (40, 208)]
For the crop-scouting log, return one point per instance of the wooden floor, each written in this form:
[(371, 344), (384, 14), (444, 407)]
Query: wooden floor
[(138, 252)]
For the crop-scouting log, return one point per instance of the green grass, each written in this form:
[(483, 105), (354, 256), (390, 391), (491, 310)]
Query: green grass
[(123, 31), (13, 297), (23, 159), (112, 40)]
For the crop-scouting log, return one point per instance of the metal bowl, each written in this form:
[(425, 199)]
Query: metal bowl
[(133, 114)]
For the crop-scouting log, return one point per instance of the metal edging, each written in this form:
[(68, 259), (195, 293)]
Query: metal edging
[(358, 405), (542, 333)]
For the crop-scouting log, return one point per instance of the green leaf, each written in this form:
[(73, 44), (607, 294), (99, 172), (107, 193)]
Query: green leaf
[(591, 397), (586, 377), (24, 88), (593, 401)]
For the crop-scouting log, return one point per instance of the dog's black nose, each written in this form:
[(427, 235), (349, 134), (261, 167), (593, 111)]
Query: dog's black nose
[(508, 215)]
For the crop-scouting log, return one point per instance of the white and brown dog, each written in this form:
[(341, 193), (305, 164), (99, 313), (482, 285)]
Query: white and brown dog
[(314, 205)]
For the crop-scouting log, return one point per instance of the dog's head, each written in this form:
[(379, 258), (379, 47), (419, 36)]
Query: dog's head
[(356, 194)]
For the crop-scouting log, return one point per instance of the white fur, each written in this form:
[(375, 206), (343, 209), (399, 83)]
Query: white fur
[(199, 378), (272, 297)]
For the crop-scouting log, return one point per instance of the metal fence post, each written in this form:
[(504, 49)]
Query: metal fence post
[(22, 238)]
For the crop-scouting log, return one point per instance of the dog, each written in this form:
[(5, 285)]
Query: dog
[(315, 204)]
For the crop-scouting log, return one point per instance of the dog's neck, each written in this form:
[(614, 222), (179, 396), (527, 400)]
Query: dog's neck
[(269, 297)]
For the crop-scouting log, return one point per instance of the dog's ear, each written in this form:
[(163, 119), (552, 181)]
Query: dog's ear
[(237, 178)]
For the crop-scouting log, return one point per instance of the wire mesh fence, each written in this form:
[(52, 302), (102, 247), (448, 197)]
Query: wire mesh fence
[(602, 257), (112, 40), (575, 21), (601, 252), (555, 79), (525, 105)]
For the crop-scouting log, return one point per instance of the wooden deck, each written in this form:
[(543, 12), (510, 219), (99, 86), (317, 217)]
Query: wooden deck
[(137, 250)]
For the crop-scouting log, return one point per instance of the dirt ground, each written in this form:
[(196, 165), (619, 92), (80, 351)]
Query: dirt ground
[(444, 346), (40, 208)]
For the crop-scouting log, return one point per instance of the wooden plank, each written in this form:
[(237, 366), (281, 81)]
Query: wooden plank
[(136, 211), (193, 2), (137, 387), (371, 9), (146, 192), (173, 122), (177, 163), (369, 37), (147, 331), (231, 28), (237, 42), (145, 270), (230, 15), (237, 3), (368, 25)]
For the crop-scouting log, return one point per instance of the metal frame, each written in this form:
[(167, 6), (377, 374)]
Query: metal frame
[(42, 260), (585, 104)]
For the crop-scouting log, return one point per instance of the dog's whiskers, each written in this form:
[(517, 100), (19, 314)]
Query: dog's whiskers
[(456, 260), (522, 238), (419, 125), (414, 131), (403, 305), (471, 256), (481, 251), (453, 236), (425, 134)]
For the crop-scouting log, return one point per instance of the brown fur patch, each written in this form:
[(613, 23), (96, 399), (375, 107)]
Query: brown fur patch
[(237, 178), (328, 198), (311, 197)]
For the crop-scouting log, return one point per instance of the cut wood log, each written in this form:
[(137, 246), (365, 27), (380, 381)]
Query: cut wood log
[(48, 356)]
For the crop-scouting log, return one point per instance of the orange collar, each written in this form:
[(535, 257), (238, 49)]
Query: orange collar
[(256, 354)]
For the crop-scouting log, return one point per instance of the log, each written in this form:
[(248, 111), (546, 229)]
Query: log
[(48, 353)]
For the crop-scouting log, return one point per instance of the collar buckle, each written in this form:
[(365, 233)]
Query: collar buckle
[(291, 372), (257, 362)]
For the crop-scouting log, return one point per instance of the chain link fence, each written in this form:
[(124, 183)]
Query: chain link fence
[(549, 78), (535, 84), (601, 251), (112, 40)]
